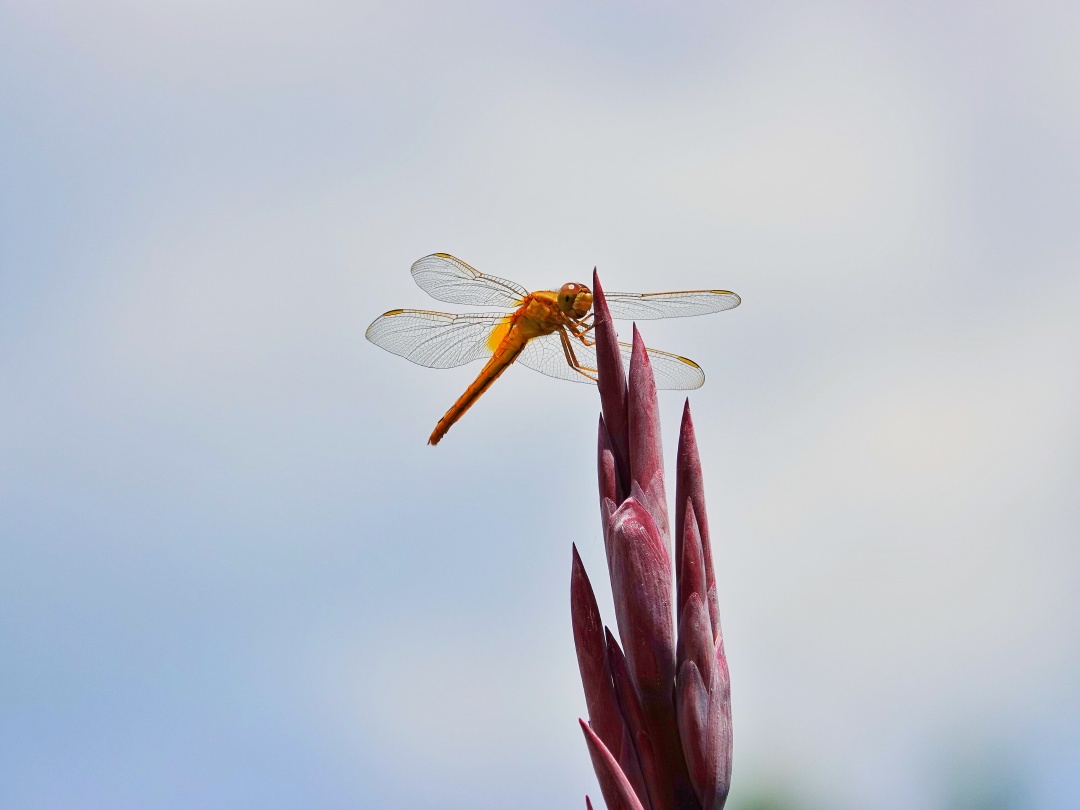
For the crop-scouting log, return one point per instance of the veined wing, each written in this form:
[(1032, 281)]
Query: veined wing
[(545, 354), (447, 279), (646, 306), (436, 339)]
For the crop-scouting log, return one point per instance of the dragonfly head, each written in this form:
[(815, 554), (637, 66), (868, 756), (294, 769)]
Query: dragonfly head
[(575, 299)]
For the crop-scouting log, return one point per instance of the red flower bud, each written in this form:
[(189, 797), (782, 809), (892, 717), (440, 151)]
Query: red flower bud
[(616, 788)]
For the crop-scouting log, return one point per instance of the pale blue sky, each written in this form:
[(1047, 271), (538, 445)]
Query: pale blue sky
[(233, 575)]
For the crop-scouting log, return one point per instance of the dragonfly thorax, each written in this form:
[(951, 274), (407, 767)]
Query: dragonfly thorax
[(575, 300)]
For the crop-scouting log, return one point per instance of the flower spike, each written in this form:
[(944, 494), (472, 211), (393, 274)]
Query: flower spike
[(659, 706)]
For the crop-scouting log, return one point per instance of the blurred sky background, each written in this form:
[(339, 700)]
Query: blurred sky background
[(233, 575)]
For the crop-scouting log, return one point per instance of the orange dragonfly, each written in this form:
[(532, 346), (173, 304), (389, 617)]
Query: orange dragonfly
[(546, 331)]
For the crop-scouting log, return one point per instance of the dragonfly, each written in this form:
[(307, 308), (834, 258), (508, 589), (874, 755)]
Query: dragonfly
[(547, 331)]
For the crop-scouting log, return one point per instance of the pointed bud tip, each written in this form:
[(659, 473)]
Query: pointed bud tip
[(617, 790)]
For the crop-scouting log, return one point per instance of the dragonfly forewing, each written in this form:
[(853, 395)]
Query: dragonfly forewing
[(684, 304), (448, 279)]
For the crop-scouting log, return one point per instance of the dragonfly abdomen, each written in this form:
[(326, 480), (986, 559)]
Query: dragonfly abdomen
[(511, 346)]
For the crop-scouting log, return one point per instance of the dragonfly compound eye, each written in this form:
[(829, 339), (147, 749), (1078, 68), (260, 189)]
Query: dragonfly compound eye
[(575, 299)]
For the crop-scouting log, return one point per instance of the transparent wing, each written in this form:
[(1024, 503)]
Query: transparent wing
[(545, 354), (647, 306), (447, 279), (436, 339)]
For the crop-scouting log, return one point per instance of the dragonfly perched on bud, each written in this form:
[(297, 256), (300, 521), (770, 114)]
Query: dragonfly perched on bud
[(547, 331)]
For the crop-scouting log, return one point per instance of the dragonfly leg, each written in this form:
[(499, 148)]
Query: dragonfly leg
[(580, 330), (571, 358)]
